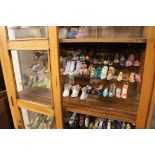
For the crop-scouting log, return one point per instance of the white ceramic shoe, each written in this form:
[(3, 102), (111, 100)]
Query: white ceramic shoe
[(72, 119), (87, 121), (118, 92), (109, 124), (84, 94), (72, 67), (75, 90), (66, 91), (68, 68), (77, 70), (100, 124), (104, 72)]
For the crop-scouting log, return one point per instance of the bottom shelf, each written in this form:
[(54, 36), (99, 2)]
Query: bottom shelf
[(110, 108), (38, 95)]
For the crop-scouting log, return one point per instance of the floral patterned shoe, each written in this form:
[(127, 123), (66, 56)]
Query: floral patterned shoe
[(125, 77), (104, 72), (112, 90), (83, 69), (118, 92), (120, 76), (92, 71), (111, 73), (125, 90), (66, 91), (84, 94), (132, 77), (105, 92), (122, 61), (75, 90), (130, 60)]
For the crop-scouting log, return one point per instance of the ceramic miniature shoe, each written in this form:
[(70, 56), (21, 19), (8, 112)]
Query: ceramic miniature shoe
[(72, 119), (106, 60), (72, 67), (99, 90), (137, 78), (83, 69), (75, 90), (68, 68), (111, 73), (89, 88), (130, 60), (72, 33), (66, 91), (118, 92), (105, 92), (113, 124), (112, 90), (81, 32), (123, 125), (116, 59), (128, 126), (118, 125), (90, 125), (100, 124), (125, 90), (109, 124), (125, 77), (84, 94), (132, 77), (77, 70), (111, 61), (104, 72), (120, 76), (87, 120), (82, 121), (96, 124), (92, 71), (136, 63), (63, 33), (122, 61)]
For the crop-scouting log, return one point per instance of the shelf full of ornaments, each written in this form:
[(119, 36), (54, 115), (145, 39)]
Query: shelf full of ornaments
[(107, 75), (81, 121)]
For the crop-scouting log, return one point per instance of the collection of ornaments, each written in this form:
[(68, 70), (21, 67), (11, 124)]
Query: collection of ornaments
[(78, 68), (40, 121), (80, 121), (37, 74)]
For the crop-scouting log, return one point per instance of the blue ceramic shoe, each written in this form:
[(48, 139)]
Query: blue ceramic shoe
[(105, 92)]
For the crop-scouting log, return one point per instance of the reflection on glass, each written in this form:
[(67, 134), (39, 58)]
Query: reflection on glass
[(32, 75), (21, 32), (33, 120)]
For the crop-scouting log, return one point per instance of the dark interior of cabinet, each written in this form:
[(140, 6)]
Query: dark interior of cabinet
[(113, 108), (2, 84)]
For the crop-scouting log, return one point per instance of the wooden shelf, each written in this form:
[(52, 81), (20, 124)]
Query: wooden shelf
[(112, 108), (104, 40), (37, 95)]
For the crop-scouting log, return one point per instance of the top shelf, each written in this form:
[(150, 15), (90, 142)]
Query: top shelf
[(104, 40)]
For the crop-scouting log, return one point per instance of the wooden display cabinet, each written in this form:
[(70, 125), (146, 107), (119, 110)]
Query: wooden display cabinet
[(18, 51)]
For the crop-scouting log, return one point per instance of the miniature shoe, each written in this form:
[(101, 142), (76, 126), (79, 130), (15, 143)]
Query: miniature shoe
[(136, 63), (63, 33), (92, 71), (66, 91), (111, 61), (91, 125), (112, 90), (77, 70), (118, 92), (137, 78), (67, 69), (123, 125), (84, 94), (83, 69), (72, 33), (120, 76), (125, 77), (72, 67), (104, 72), (87, 121), (75, 90), (125, 90), (132, 77), (82, 121), (109, 124), (93, 91), (128, 126), (100, 124), (89, 88), (96, 124), (118, 125), (99, 90), (72, 119), (116, 59), (81, 32), (106, 60), (111, 73), (113, 124), (105, 92), (122, 61), (130, 60)]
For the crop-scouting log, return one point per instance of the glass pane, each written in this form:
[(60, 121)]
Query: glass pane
[(80, 121), (101, 32), (32, 75), (22, 32), (33, 120)]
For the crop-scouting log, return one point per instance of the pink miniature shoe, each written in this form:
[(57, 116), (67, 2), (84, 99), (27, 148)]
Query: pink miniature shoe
[(137, 78), (81, 33), (136, 63), (125, 90), (130, 60)]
